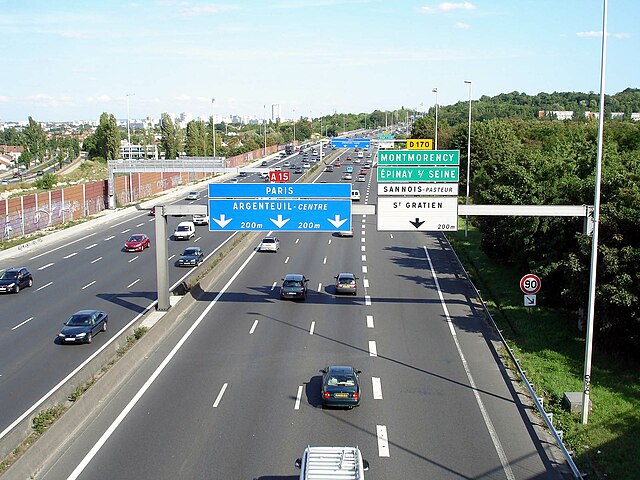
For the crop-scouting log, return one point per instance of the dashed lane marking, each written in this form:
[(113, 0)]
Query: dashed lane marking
[(383, 441), (219, 397), (369, 321), (377, 388), (373, 349)]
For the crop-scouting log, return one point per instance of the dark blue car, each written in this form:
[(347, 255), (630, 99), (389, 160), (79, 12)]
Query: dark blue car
[(14, 279), (83, 325)]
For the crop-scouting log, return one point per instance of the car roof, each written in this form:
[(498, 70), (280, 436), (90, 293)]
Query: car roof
[(346, 274), (14, 269), (86, 312), (293, 276)]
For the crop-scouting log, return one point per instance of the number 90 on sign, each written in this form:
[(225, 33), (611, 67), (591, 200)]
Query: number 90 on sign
[(530, 284)]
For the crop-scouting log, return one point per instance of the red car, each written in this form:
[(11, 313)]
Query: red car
[(363, 171), (336, 163), (137, 242)]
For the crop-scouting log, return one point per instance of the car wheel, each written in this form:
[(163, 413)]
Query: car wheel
[(16, 288), (104, 327), (31, 282), (89, 338)]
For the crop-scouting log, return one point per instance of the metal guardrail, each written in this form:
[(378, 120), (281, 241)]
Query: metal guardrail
[(547, 417)]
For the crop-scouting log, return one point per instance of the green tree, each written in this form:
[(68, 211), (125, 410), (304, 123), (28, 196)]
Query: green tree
[(108, 137), (196, 139), (34, 141), (170, 138)]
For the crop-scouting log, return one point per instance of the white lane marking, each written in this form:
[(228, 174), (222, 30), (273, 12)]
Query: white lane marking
[(253, 327), (274, 285), (362, 239), (373, 349), (363, 248), (91, 246), (320, 286), (152, 220), (367, 299), (298, 397), (364, 220), (313, 327), (133, 259), (133, 283), (197, 239), (63, 246), (70, 255), (171, 257), (324, 261), (383, 441), (297, 240), (329, 242), (43, 286), (88, 285), (485, 415), (125, 231), (365, 282), (286, 260), (136, 398), (20, 324), (364, 269), (219, 397), (377, 388), (369, 321), (364, 258), (45, 266), (96, 260), (139, 225), (391, 234), (110, 238)]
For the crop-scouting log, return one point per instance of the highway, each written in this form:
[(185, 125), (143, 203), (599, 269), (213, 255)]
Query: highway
[(234, 391)]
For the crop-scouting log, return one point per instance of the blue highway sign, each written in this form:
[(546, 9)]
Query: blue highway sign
[(281, 215), (280, 190), (343, 142)]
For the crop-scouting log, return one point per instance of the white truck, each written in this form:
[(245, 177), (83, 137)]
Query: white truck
[(327, 463)]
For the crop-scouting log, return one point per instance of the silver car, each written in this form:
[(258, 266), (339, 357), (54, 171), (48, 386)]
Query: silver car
[(269, 244), (193, 196)]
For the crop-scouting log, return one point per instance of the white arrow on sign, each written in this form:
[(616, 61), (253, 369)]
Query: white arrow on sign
[(222, 222), (336, 222), (279, 222), (529, 300)]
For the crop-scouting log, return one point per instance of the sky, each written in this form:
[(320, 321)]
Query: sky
[(67, 60)]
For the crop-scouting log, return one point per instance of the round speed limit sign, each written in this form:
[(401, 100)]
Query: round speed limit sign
[(530, 284)]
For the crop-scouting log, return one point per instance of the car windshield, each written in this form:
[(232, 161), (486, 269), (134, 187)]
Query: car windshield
[(190, 251), (182, 228), (136, 238), (9, 275), (292, 283), (79, 320), (342, 380)]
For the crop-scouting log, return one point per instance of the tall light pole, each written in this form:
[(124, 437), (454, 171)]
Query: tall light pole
[(435, 90), (128, 121), (213, 127), (466, 219), (264, 121), (385, 120), (596, 223), (294, 126)]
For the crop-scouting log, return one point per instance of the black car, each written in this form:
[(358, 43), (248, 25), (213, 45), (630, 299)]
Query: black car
[(294, 285), (191, 257), (298, 170), (14, 279), (83, 325), (340, 387)]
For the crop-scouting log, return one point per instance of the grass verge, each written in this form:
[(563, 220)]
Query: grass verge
[(550, 348)]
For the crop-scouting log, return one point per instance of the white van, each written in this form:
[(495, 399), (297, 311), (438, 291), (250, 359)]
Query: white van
[(326, 463), (184, 231)]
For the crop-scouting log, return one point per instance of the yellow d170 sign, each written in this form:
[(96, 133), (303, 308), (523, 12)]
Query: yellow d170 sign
[(417, 144)]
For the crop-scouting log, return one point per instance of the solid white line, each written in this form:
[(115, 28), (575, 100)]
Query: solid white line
[(367, 299), (274, 285), (134, 258), (364, 269), (324, 261), (383, 441), (70, 255), (365, 282), (364, 258), (20, 324), (125, 231), (91, 246), (132, 284), (45, 266), (219, 397), (253, 328), (88, 285), (313, 327), (373, 349), (97, 260), (485, 415), (369, 321), (286, 260), (40, 288), (171, 257), (105, 436), (298, 397), (363, 248), (377, 388)]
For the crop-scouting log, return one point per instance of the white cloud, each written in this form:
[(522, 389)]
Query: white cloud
[(103, 98), (46, 100), (462, 25), (3, 98), (72, 34), (183, 98), (212, 8), (598, 34), (447, 7)]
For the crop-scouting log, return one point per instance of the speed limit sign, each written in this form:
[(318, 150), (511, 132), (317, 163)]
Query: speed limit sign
[(530, 284)]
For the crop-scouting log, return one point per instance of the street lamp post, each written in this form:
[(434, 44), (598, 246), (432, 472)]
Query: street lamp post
[(294, 126), (435, 90), (264, 121), (466, 219), (128, 123), (213, 127)]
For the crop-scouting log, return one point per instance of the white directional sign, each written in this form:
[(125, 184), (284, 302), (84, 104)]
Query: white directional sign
[(397, 189), (529, 300), (410, 214)]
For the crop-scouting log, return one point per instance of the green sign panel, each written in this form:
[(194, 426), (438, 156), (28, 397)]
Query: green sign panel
[(429, 173), (386, 136), (419, 157)]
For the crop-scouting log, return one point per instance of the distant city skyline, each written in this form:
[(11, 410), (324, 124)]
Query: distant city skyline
[(69, 60)]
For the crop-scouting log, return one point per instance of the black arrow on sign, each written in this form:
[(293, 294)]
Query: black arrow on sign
[(417, 223)]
